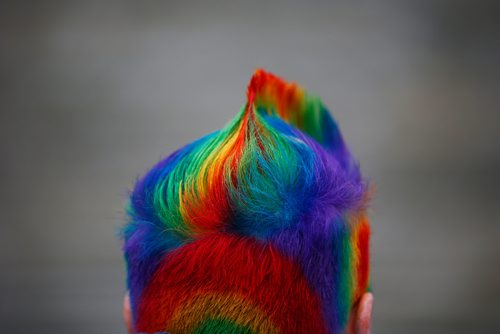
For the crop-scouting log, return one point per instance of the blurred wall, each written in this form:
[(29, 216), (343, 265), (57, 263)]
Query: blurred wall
[(93, 93)]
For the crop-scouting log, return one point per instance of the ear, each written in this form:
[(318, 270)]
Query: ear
[(127, 313), (363, 317)]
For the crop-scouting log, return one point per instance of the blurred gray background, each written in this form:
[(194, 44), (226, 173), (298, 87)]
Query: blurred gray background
[(92, 93)]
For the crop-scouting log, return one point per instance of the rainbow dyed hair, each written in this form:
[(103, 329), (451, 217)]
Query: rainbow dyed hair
[(259, 227)]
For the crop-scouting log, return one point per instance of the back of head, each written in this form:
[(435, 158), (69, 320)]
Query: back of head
[(259, 227)]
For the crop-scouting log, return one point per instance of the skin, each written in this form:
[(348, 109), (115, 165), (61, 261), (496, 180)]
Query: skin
[(361, 316), (359, 323), (127, 313)]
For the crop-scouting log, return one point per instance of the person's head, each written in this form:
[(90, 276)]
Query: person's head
[(259, 227)]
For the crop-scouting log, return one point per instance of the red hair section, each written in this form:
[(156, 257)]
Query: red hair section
[(363, 253), (244, 267)]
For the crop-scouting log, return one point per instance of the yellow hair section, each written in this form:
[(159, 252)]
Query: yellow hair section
[(237, 309)]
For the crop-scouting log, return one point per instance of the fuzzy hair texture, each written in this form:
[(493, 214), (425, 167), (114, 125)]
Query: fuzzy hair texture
[(259, 227)]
